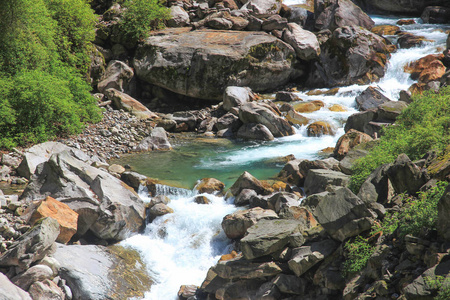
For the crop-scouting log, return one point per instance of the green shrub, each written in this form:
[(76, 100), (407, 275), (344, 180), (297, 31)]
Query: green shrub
[(423, 126), (142, 16), (359, 251), (75, 30)]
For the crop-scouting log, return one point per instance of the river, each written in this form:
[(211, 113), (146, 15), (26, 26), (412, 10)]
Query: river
[(179, 248)]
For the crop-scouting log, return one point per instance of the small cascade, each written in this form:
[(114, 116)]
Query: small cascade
[(169, 191)]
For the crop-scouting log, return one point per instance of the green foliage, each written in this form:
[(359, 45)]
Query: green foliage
[(422, 212), (42, 94), (359, 251), (440, 283), (142, 16), (75, 30), (423, 126)]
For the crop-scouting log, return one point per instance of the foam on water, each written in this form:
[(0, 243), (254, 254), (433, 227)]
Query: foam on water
[(179, 248), (293, 2)]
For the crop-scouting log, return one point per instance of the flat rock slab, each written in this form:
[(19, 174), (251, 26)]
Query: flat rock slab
[(268, 236), (202, 63)]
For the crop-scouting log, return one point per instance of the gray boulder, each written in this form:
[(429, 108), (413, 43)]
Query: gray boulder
[(263, 8), (106, 205), (359, 121), (443, 222), (252, 131), (247, 181), (346, 164), (347, 58), (391, 110), (305, 257), (202, 63), (235, 96), (228, 120), (116, 76), (341, 213), (401, 7), (406, 176), (260, 113), (243, 269), (338, 13), (243, 198), (304, 42), (290, 284), (127, 103), (157, 140), (268, 236), (371, 98), (178, 17), (46, 289), (377, 187), (95, 272), (291, 173), (235, 225), (10, 291), (34, 245), (317, 180), (33, 274)]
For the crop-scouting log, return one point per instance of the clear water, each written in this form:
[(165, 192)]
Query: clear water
[(179, 248)]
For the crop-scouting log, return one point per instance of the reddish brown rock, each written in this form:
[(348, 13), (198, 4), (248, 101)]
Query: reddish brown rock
[(59, 211), (210, 186), (415, 68), (406, 22), (348, 141), (296, 118), (434, 71), (309, 106), (385, 29)]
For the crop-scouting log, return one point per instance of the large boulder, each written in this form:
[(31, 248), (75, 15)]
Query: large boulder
[(341, 213), (116, 76), (42, 152), (352, 55), (348, 141), (34, 245), (123, 101), (401, 7), (157, 140), (105, 205), (96, 272), (436, 15), (338, 13), (359, 121), (178, 17), (304, 42), (202, 63), (260, 113), (251, 131), (377, 187), (235, 96), (317, 180), (247, 181), (235, 225), (406, 176), (263, 8), (10, 291), (370, 98), (268, 236), (243, 269)]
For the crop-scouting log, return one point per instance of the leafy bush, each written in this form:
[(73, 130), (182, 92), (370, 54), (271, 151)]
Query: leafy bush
[(142, 16), (75, 30), (423, 126), (359, 251)]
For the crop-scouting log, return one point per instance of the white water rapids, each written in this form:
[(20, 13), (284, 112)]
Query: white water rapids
[(179, 248)]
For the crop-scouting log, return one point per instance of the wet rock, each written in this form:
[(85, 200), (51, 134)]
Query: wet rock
[(317, 180), (436, 15), (304, 42), (235, 225), (338, 13), (370, 98), (408, 40), (286, 96), (10, 291), (385, 29), (96, 272), (230, 121), (116, 76), (340, 212), (187, 291), (320, 128), (158, 210), (235, 96), (157, 140), (129, 104), (34, 245), (348, 141), (406, 176), (252, 131), (305, 257), (433, 72), (178, 17), (309, 106), (268, 236), (204, 62), (61, 212), (263, 114), (210, 186), (247, 181), (33, 274), (133, 179)]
